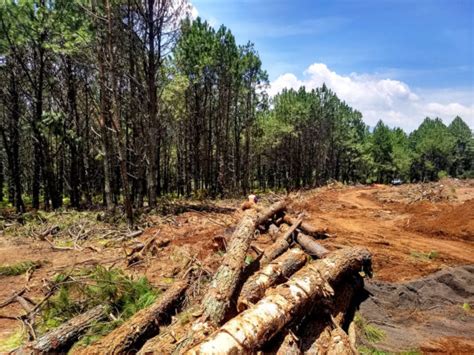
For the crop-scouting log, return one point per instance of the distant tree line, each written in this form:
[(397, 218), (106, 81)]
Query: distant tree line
[(119, 102), (311, 137)]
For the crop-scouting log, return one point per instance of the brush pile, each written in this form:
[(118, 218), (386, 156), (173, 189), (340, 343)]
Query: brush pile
[(295, 297)]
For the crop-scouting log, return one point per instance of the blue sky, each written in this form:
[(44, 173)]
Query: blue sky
[(411, 58)]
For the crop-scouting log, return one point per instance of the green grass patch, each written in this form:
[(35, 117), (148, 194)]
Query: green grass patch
[(364, 350), (12, 342), (467, 307), (432, 255), (369, 331), (19, 268)]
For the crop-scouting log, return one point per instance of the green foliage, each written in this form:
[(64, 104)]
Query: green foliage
[(19, 268), (88, 288), (433, 146)]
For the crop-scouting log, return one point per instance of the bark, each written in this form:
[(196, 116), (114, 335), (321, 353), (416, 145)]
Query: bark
[(281, 244), (277, 271), (311, 246), (132, 335), (62, 337), (254, 327), (307, 228)]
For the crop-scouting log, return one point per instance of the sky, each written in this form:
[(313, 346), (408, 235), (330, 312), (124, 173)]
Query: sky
[(395, 60)]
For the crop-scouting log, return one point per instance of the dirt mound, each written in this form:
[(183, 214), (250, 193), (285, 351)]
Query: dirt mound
[(425, 313), (442, 220)]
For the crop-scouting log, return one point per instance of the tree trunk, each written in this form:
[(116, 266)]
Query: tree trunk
[(103, 119), (116, 114), (132, 335), (277, 271), (311, 246), (59, 339), (251, 329)]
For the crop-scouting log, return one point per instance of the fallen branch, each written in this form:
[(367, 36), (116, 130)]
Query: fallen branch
[(277, 271), (56, 248), (62, 337), (133, 334), (12, 298), (254, 327)]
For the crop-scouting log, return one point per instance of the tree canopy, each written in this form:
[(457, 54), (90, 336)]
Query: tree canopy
[(124, 101)]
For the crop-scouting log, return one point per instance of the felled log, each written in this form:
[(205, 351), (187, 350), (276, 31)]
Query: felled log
[(252, 328), (312, 247), (277, 271), (217, 301), (281, 244), (131, 335), (306, 227), (62, 337)]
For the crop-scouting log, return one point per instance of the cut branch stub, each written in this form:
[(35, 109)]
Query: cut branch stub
[(277, 271), (254, 327)]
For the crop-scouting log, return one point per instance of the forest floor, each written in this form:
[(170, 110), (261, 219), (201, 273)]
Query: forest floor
[(421, 237)]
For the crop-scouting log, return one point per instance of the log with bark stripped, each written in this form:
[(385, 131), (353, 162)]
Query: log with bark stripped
[(277, 271), (132, 335), (61, 338), (254, 327)]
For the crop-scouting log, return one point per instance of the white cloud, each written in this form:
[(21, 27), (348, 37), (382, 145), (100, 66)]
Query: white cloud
[(193, 11), (393, 101)]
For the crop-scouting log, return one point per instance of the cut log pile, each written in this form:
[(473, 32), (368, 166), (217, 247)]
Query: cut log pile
[(295, 281)]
